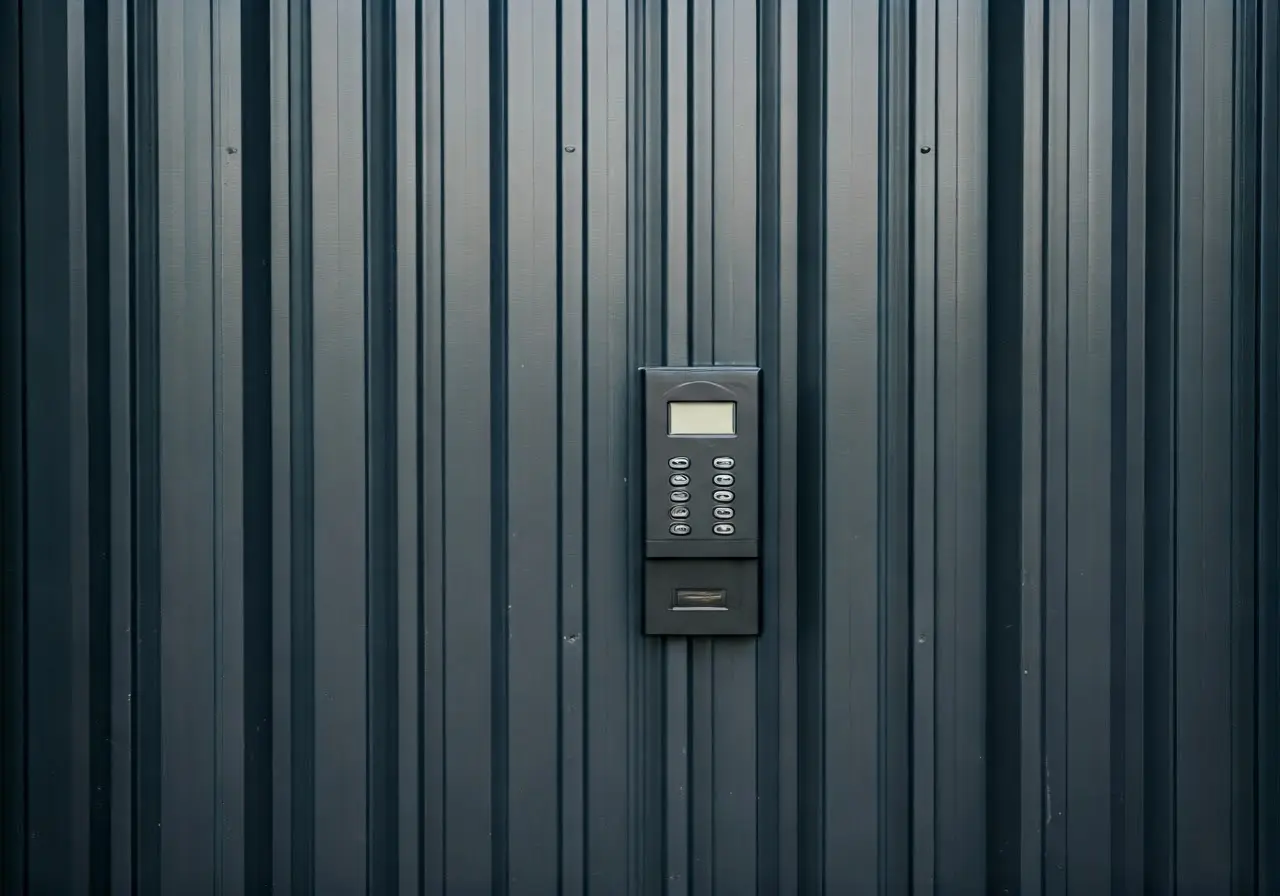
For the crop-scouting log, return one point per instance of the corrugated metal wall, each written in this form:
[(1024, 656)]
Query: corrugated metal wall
[(321, 324)]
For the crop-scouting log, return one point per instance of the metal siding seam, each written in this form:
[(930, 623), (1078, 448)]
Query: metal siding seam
[(1128, 872), (1267, 668), (810, 571), (13, 787), (924, 573), (381, 432), (785, 396), (1242, 371), (468, 433), (622, 696), (970, 520), (894, 635), (433, 434), (146, 389), (500, 428), (1088, 212), (47, 555), (258, 525), (339, 382), (632, 70), (55, 514), (532, 447), (84, 300), (121, 336), (188, 430), (1057, 486), (572, 458), (961, 476), (852, 365), (407, 293), (1161, 170), (733, 664), (229, 510), (1033, 483), (1011, 140), (680, 103), (688, 85), (302, 657), (283, 148), (1268, 448), (776, 731), (1203, 823)]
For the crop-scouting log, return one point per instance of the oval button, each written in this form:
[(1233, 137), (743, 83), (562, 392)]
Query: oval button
[(680, 479), (723, 497), (723, 479), (679, 497), (723, 513), (681, 528), (723, 463), (678, 463), (680, 512), (723, 528)]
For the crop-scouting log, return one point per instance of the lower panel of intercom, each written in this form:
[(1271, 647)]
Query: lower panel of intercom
[(693, 597)]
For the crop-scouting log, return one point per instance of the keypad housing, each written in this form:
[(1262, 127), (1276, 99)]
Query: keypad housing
[(713, 541)]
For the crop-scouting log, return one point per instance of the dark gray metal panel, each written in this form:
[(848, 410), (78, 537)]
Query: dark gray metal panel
[(469, 495), (854, 357), (63, 526), (571, 608), (403, 775), (286, 159), (342, 313), (13, 787), (1120, 362), (1208, 447), (620, 731), (778, 821), (1268, 448), (960, 346), (532, 401), (923, 480), (320, 324), (121, 409), (949, 617)]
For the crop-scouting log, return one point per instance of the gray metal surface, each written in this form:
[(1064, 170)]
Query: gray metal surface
[(320, 547)]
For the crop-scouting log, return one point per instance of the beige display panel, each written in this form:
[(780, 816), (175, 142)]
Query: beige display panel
[(700, 418)]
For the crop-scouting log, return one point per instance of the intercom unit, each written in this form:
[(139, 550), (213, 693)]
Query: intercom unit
[(702, 500)]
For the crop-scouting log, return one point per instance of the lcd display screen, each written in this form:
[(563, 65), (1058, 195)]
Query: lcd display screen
[(700, 418)]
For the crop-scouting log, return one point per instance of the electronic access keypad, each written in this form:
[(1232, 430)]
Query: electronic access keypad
[(702, 500)]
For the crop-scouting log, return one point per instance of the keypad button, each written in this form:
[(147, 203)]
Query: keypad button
[(679, 479), (723, 463), (723, 513), (679, 512), (723, 479), (724, 497), (723, 528), (681, 528), (680, 463), (679, 497)]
